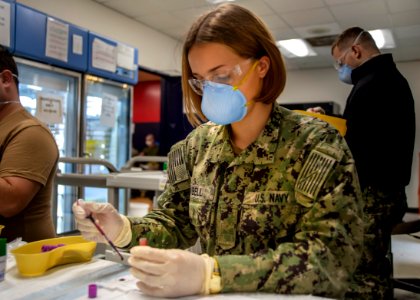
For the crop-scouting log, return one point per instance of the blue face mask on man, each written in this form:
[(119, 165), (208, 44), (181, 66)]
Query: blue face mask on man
[(344, 70), (224, 104), (344, 74)]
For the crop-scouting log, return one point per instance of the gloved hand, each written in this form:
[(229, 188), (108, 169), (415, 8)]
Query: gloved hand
[(106, 216), (316, 109), (167, 273)]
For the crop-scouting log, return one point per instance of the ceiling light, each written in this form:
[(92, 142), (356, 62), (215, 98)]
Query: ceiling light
[(219, 1), (383, 38), (295, 48)]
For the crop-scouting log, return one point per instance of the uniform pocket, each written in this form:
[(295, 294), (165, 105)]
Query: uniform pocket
[(200, 212), (200, 208), (266, 215)]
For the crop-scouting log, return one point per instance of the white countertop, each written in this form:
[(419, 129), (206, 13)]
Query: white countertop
[(113, 279)]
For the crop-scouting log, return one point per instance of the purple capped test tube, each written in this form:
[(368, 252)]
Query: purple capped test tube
[(92, 290)]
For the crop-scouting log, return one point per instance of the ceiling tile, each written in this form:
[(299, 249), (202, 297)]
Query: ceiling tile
[(160, 21), (408, 32), (284, 34), (406, 18), (274, 21), (403, 5), (324, 52), (134, 8), (288, 19), (172, 5), (188, 16), (364, 9), (282, 6), (257, 6), (373, 22), (178, 33), (308, 17), (318, 30), (339, 2)]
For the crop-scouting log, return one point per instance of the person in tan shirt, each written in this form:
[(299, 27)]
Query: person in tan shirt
[(28, 162)]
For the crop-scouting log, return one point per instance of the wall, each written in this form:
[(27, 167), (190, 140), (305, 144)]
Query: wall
[(411, 71), (314, 85), (323, 85), (156, 50)]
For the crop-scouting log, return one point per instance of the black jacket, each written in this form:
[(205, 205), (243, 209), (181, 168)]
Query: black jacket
[(381, 124)]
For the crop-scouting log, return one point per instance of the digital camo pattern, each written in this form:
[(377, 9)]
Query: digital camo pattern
[(373, 277), (283, 216)]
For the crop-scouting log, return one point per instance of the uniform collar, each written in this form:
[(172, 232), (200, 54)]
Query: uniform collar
[(260, 152), (380, 63)]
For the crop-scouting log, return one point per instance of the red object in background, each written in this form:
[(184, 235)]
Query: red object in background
[(146, 102)]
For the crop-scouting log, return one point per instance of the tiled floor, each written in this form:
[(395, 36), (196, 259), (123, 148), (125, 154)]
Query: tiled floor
[(406, 257)]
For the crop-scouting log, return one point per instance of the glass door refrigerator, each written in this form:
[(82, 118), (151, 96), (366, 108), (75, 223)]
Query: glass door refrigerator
[(106, 130), (45, 85)]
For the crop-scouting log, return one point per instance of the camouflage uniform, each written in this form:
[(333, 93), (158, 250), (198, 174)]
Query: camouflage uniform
[(373, 277), (283, 216)]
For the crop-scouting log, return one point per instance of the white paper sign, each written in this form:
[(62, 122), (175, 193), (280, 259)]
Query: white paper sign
[(57, 40), (49, 108), (108, 110), (104, 56), (125, 57), (77, 44), (4, 23)]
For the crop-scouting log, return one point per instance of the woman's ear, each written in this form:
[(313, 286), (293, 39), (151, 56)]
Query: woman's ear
[(6, 77), (263, 66)]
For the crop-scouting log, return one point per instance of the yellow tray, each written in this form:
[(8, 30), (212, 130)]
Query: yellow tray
[(31, 261), (338, 123)]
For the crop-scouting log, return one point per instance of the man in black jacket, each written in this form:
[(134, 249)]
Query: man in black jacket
[(380, 133)]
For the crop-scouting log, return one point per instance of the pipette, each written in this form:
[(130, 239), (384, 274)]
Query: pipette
[(90, 217)]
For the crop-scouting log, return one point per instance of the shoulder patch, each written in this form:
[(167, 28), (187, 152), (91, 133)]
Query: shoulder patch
[(331, 150), (177, 168), (314, 173)]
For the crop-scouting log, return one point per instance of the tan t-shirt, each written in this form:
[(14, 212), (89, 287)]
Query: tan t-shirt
[(28, 150)]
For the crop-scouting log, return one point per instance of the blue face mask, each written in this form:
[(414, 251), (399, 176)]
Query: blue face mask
[(344, 70), (223, 104), (344, 74)]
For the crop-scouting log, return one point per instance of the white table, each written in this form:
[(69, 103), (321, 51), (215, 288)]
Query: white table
[(113, 279)]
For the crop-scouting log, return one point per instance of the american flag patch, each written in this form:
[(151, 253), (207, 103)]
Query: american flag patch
[(314, 173), (177, 170)]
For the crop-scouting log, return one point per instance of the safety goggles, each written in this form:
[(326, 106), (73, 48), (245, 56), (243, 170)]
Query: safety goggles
[(224, 76), (338, 63)]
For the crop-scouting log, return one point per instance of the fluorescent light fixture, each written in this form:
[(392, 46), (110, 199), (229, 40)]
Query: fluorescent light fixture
[(34, 87), (218, 1), (295, 48), (383, 38)]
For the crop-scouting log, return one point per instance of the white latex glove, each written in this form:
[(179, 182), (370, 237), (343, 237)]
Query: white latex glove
[(167, 273), (106, 216), (316, 109)]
